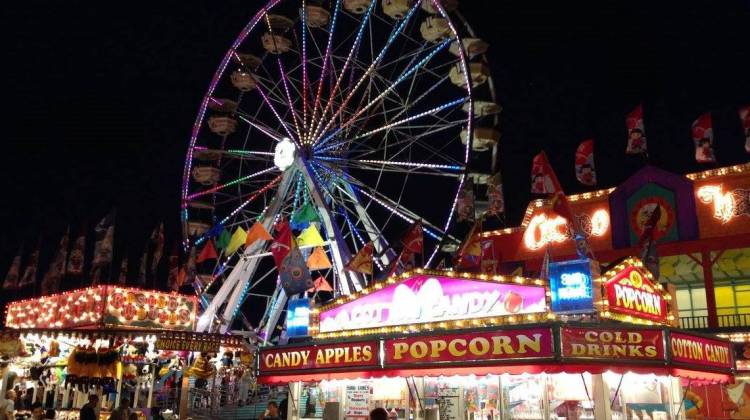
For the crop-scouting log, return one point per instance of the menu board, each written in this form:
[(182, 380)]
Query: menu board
[(358, 400), (448, 403)]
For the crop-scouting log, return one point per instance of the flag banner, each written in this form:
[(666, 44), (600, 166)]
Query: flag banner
[(648, 242), (282, 243), (105, 233), (703, 137), (51, 279), (236, 241), (191, 270), (29, 274), (222, 241), (544, 269), (745, 119), (414, 238), (293, 273), (361, 262), (318, 260), (208, 252), (495, 196), (257, 233), (542, 181), (304, 216), (122, 279), (310, 237), (585, 172), (157, 241), (11, 278), (76, 259), (636, 132), (465, 204), (173, 273), (404, 262), (320, 285), (143, 266)]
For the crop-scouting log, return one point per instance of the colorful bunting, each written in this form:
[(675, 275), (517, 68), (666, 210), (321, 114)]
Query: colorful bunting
[(293, 273), (282, 243), (208, 252), (310, 237), (257, 233), (465, 203), (495, 195), (362, 261), (585, 172), (11, 278), (320, 285), (76, 260), (637, 143), (414, 238), (318, 260), (304, 216), (745, 119), (222, 241), (236, 241), (703, 137)]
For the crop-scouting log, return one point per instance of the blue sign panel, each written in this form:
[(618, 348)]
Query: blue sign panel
[(298, 317), (571, 286)]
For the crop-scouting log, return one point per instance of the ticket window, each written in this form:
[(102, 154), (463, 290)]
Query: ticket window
[(570, 396), (636, 396)]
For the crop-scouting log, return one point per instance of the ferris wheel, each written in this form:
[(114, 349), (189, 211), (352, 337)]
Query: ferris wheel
[(366, 111)]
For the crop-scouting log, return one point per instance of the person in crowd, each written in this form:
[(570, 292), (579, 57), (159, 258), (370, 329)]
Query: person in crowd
[(37, 411), (50, 414), (88, 411), (8, 406), (272, 412), (122, 412), (378, 413)]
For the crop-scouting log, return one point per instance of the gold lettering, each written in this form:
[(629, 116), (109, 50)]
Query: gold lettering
[(501, 345), (399, 349), (419, 350), (437, 347), (453, 347), (367, 353), (525, 342), (479, 346)]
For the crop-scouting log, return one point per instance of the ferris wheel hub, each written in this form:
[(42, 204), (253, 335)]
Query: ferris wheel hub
[(284, 154)]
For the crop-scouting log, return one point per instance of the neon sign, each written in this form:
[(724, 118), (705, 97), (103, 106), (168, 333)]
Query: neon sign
[(298, 318), (725, 203), (543, 229), (571, 286)]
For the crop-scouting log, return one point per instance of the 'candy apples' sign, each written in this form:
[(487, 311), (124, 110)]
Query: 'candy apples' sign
[(331, 356), (425, 298), (630, 292)]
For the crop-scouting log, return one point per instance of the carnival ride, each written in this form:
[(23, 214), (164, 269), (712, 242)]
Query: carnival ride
[(366, 111)]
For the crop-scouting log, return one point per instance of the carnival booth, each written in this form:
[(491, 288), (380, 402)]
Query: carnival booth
[(451, 345), (118, 343)]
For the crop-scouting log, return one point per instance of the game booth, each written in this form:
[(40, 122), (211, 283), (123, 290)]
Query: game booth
[(118, 343), (449, 345)]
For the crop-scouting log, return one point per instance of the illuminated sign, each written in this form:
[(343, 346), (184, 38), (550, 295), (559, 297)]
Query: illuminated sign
[(698, 350), (726, 205), (530, 343), (332, 356), (619, 343), (571, 286), (298, 317), (632, 295), (543, 229), (433, 299), (110, 306)]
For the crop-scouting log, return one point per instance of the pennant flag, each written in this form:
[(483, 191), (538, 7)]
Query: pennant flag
[(257, 233), (105, 233), (495, 195), (585, 172), (304, 216), (293, 273), (157, 240), (282, 243), (414, 238), (471, 244), (11, 278), (122, 280), (208, 252), (320, 285), (318, 260), (544, 269), (703, 137), (29, 274), (215, 231), (222, 241), (649, 255), (236, 241), (51, 279), (76, 260), (142, 268), (310, 237), (191, 271), (465, 203), (362, 261), (404, 262), (636, 132), (543, 180), (745, 119), (174, 271)]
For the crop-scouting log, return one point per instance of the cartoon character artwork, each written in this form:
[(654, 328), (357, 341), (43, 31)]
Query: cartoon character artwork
[(703, 137), (585, 172), (637, 143)]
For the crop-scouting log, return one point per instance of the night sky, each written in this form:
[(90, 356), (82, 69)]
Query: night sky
[(100, 98)]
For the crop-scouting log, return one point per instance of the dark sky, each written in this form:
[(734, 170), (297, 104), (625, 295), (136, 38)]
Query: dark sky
[(100, 97)]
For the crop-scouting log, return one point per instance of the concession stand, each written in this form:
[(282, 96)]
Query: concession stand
[(112, 341), (450, 345)]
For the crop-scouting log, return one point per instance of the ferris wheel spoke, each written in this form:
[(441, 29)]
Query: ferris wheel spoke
[(295, 117), (305, 79), (326, 57), (230, 183)]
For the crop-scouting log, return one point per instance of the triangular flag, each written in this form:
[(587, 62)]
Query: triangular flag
[(11, 279), (637, 143), (223, 240), (414, 239), (237, 240), (321, 285), (51, 279), (282, 243), (257, 232), (362, 261), (304, 216), (293, 273), (310, 237), (318, 260), (208, 252)]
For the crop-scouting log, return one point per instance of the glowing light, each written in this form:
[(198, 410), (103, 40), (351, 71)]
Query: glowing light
[(599, 222), (543, 229), (723, 202), (229, 184), (284, 154)]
